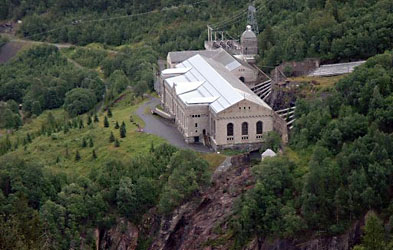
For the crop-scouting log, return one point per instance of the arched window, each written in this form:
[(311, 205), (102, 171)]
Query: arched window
[(242, 79), (230, 129), (259, 128), (244, 128)]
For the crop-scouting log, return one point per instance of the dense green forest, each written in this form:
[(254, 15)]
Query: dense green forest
[(346, 142), (41, 78), (290, 30), (40, 209), (342, 139)]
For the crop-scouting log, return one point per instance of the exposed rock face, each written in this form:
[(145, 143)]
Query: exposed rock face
[(123, 236), (195, 224), (201, 223)]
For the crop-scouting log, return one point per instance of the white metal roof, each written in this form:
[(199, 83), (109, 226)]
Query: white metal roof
[(175, 71), (184, 87), (202, 100), (220, 89)]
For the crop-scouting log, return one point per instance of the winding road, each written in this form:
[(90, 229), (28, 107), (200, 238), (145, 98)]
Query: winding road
[(165, 129)]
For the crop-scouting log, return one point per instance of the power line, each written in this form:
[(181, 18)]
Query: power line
[(120, 17), (236, 16), (234, 20)]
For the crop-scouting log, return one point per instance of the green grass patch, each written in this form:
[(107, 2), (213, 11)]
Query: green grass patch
[(58, 150)]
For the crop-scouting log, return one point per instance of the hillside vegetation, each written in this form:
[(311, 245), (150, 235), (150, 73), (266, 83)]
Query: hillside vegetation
[(348, 136), (290, 30), (72, 158), (61, 178)]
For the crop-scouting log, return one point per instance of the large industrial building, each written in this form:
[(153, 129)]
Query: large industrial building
[(208, 95)]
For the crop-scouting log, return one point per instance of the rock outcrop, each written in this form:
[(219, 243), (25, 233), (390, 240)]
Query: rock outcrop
[(198, 222), (123, 236)]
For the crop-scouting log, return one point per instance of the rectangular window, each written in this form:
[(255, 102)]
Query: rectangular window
[(196, 125)]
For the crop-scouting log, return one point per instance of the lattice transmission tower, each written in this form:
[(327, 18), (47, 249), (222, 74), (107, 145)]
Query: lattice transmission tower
[(252, 18)]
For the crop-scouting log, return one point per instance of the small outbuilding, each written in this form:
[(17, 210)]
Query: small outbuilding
[(268, 153)]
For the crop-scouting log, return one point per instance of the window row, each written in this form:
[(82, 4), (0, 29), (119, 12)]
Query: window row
[(195, 116), (259, 128)]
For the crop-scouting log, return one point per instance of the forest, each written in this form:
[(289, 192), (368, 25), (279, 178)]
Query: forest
[(290, 30), (342, 139), (40, 209), (348, 137)]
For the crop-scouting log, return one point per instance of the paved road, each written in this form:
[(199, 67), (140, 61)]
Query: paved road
[(165, 129)]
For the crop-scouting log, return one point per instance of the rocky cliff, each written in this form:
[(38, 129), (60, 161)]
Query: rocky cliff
[(203, 222)]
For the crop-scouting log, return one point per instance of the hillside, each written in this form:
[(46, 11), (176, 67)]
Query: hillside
[(290, 30), (77, 171)]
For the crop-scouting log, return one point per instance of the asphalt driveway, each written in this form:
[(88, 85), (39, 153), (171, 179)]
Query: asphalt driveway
[(165, 129)]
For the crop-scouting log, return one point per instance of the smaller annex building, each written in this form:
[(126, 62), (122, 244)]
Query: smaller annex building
[(210, 103)]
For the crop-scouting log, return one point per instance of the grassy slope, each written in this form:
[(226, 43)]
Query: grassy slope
[(46, 149)]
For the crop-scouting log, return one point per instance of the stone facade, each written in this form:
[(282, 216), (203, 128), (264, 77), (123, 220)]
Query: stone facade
[(200, 124), (245, 112)]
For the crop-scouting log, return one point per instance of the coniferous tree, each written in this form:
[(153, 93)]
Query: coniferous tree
[(96, 118), (91, 144), (117, 143), (74, 123), (84, 143), (117, 125), (66, 129), (28, 138), (94, 154), (77, 156), (67, 154), (109, 112), (106, 122), (151, 147), (123, 130), (81, 124), (89, 121), (111, 137)]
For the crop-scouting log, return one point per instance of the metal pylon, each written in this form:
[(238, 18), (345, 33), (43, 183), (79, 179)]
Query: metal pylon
[(252, 18)]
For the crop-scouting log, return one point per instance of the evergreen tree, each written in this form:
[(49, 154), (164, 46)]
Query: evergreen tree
[(91, 144), (74, 123), (123, 130), (151, 147), (111, 137), (66, 129), (96, 118), (77, 156), (28, 138), (36, 108), (57, 159), (67, 153), (94, 154), (81, 124), (89, 121), (84, 143), (374, 233), (117, 143), (117, 125), (109, 112), (106, 122)]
